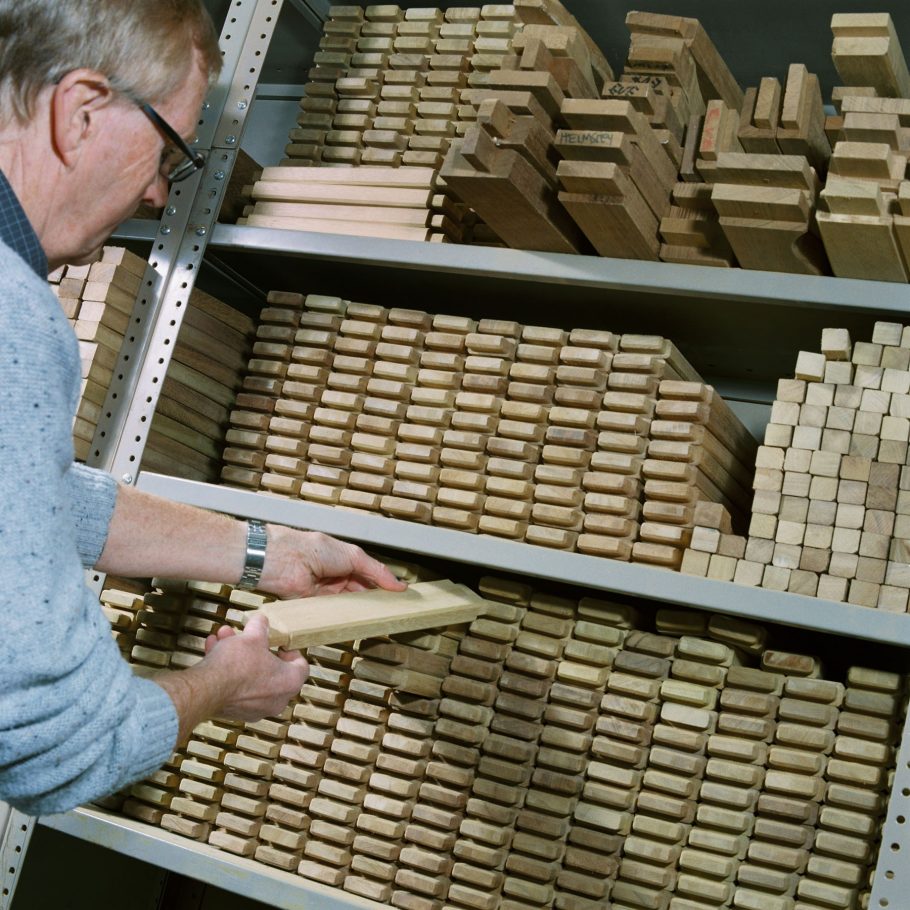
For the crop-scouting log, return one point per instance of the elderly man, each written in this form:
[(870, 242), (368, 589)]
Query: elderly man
[(89, 93)]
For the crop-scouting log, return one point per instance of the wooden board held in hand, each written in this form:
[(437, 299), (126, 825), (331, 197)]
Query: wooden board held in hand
[(334, 618)]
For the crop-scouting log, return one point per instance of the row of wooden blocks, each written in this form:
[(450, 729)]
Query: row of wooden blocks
[(831, 481), (209, 356), (576, 440), (554, 753)]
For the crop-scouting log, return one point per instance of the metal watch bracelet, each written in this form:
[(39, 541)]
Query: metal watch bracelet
[(256, 541)]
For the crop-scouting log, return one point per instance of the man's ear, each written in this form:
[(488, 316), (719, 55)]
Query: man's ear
[(75, 102)]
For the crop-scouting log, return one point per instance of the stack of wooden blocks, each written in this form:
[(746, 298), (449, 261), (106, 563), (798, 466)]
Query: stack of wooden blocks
[(386, 86), (863, 223), (678, 61), (381, 201), (580, 440), (830, 482), (504, 168), (203, 380), (186, 437), (616, 176), (559, 751), (390, 87), (759, 167), (97, 300)]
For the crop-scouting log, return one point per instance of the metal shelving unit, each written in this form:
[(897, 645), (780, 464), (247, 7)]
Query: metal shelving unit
[(727, 322)]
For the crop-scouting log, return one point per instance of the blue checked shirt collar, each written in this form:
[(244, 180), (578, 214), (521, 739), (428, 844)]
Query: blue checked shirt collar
[(17, 232)]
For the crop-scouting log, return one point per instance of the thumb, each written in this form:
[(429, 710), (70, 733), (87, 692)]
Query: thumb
[(257, 627)]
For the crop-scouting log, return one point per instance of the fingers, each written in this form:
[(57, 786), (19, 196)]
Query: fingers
[(290, 656), (221, 634), (373, 571)]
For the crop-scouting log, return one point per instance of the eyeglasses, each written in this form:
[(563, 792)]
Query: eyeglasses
[(178, 160)]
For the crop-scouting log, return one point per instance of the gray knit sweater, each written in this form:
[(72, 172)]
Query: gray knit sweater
[(75, 723)]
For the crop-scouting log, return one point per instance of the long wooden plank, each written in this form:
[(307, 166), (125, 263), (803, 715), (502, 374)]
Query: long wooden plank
[(335, 618), (383, 213), (328, 226), (285, 191), (403, 177)]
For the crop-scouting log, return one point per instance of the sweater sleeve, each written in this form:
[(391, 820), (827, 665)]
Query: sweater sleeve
[(75, 723), (92, 495)]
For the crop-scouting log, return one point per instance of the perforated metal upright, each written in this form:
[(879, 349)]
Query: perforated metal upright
[(157, 315), (654, 290)]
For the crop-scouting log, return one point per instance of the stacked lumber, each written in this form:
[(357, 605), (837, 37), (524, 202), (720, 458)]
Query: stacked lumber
[(186, 435), (558, 751), (98, 301), (209, 358), (859, 203), (391, 202), (385, 88), (680, 50), (564, 439), (673, 58), (270, 422), (830, 481), (616, 176), (789, 122), (766, 208), (505, 167), (698, 453)]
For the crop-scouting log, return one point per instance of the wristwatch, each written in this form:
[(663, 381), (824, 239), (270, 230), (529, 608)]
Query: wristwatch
[(256, 541)]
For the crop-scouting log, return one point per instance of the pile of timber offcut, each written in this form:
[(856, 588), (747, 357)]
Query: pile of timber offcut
[(527, 432), (831, 484), (559, 751), (536, 145), (211, 352)]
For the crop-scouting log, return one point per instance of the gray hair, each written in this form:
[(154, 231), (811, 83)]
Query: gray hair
[(143, 46)]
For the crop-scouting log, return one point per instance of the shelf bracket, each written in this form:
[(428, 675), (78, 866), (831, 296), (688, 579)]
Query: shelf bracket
[(15, 833)]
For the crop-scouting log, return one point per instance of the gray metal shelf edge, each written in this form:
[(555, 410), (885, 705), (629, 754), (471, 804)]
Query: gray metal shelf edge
[(514, 557), (634, 276), (584, 271), (242, 876)]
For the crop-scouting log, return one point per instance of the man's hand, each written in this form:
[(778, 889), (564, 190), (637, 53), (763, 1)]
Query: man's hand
[(263, 682), (239, 678), (304, 563)]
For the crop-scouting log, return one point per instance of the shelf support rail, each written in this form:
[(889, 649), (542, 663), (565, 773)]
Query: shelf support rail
[(161, 302), (891, 880)]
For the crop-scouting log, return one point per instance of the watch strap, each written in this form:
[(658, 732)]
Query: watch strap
[(256, 542)]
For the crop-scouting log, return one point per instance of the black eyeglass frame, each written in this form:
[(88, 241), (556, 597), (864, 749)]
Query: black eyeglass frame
[(194, 160)]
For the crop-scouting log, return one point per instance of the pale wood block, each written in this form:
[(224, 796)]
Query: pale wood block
[(748, 573), (776, 578), (810, 366)]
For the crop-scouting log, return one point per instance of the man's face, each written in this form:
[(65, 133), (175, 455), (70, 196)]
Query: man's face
[(122, 168)]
